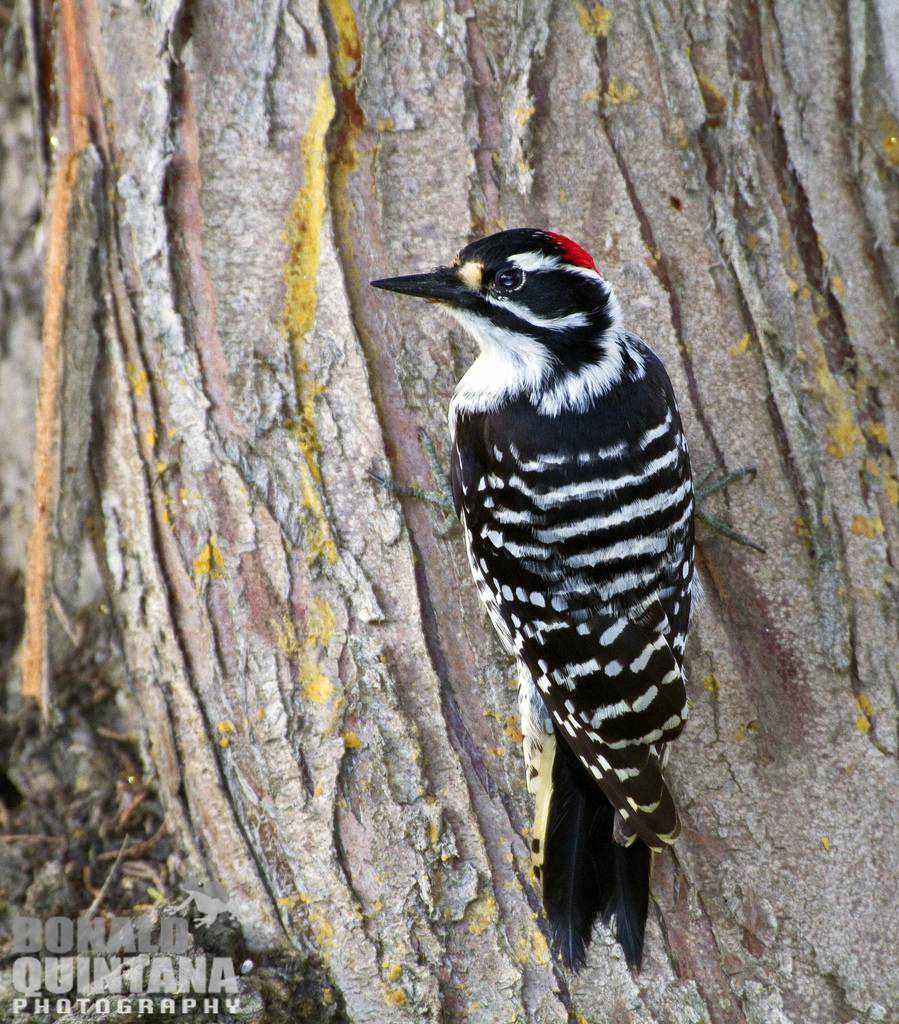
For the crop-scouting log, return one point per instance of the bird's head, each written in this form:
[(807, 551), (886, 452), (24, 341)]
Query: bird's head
[(529, 295)]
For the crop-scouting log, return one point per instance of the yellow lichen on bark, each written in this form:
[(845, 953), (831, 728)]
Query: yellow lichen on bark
[(524, 113), (317, 686), (866, 712), (867, 526), (210, 561), (619, 91), (864, 704), (741, 346), (595, 20), (481, 914), (138, 379), (303, 237), (889, 137), (395, 997), (530, 946), (539, 948), (322, 928), (878, 433), (344, 155), (304, 226), (320, 623), (843, 432), (512, 729), (392, 971), (349, 46)]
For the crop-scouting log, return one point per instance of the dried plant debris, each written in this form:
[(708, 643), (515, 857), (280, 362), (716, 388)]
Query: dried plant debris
[(82, 833), (72, 793)]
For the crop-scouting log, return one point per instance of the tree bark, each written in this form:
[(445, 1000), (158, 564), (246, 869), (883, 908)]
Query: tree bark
[(331, 721)]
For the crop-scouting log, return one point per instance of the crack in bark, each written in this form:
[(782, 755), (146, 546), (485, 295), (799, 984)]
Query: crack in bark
[(483, 85), (38, 43), (452, 712), (460, 738), (343, 866), (269, 103), (539, 82), (192, 292), (716, 176), (658, 262), (115, 301), (717, 966), (844, 105), (855, 679), (673, 960), (175, 620), (837, 343), (839, 348), (802, 457)]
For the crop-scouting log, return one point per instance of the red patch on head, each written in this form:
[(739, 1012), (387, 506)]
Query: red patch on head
[(572, 252)]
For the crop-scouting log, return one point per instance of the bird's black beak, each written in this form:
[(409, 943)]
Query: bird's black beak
[(440, 285)]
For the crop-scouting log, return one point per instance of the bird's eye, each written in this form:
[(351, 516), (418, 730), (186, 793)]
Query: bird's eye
[(509, 280)]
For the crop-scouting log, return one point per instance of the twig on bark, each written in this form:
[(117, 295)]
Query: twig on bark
[(34, 683), (105, 887)]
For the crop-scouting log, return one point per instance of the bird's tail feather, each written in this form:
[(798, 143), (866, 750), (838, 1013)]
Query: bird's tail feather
[(585, 873)]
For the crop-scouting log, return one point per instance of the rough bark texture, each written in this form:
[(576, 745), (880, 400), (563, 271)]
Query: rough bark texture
[(331, 721)]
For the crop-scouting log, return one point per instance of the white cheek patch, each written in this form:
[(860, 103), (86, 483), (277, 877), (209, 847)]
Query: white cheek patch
[(509, 363)]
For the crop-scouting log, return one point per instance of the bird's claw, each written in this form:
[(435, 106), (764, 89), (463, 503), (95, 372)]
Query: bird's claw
[(436, 498), (707, 487)]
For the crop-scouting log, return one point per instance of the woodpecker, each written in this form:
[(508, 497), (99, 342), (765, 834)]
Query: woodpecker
[(571, 478)]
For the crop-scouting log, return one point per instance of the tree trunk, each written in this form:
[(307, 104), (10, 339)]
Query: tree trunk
[(331, 720)]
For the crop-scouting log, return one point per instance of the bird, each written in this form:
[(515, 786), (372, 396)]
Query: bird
[(571, 478)]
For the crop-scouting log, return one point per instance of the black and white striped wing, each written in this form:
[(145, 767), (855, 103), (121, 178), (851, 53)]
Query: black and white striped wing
[(615, 689), (579, 529)]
